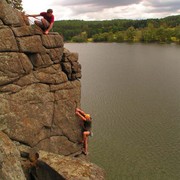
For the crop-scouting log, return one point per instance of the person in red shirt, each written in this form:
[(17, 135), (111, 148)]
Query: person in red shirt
[(87, 120), (46, 22)]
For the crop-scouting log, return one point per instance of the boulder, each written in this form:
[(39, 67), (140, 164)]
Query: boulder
[(72, 168), (55, 54), (10, 16), (30, 44), (40, 60), (23, 31), (7, 40), (10, 165), (50, 166), (13, 66), (52, 41), (70, 65)]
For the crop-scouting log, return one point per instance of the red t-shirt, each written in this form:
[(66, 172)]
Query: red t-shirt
[(49, 19)]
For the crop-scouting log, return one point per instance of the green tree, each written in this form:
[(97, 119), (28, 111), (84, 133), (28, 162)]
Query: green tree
[(111, 37), (119, 36), (17, 4), (80, 38), (151, 30), (177, 33), (130, 33), (102, 37), (161, 34), (149, 33)]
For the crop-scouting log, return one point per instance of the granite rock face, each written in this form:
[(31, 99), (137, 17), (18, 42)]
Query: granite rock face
[(38, 96)]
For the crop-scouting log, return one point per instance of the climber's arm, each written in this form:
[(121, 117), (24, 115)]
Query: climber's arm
[(33, 15), (82, 117), (80, 114)]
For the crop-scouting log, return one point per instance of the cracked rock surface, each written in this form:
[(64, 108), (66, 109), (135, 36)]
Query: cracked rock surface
[(38, 94)]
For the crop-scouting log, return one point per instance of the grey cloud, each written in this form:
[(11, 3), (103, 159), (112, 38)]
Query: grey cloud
[(89, 6), (100, 3), (163, 6), (81, 9), (158, 3)]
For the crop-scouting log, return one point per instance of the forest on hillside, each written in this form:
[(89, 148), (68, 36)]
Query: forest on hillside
[(163, 30)]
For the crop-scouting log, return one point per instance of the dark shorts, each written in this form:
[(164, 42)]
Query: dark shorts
[(43, 24)]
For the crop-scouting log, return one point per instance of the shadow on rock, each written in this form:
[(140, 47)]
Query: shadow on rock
[(43, 171), (37, 169)]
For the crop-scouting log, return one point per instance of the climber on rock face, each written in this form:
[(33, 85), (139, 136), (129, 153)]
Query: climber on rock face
[(87, 120), (46, 23)]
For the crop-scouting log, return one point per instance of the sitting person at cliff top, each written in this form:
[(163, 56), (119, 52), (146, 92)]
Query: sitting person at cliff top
[(46, 23), (87, 120)]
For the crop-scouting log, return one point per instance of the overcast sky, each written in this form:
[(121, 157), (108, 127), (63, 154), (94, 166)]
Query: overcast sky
[(104, 9)]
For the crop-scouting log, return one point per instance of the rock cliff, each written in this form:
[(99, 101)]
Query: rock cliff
[(39, 91)]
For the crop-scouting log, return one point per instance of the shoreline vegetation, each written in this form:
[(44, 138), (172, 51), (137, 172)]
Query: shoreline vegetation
[(165, 30)]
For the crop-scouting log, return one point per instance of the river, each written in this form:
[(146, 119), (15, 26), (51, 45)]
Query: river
[(132, 92)]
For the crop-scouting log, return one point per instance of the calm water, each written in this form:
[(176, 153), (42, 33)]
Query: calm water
[(132, 92)]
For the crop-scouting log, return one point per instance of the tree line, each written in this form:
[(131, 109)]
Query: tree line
[(163, 30)]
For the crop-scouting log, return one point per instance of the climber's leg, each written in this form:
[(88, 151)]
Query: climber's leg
[(85, 140)]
